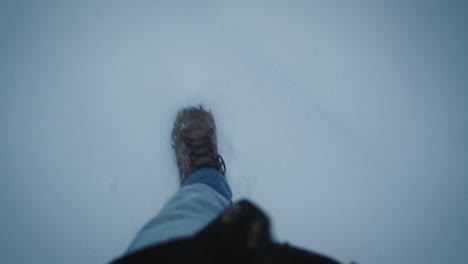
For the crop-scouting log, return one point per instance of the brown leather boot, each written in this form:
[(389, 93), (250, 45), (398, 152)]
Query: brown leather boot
[(194, 141)]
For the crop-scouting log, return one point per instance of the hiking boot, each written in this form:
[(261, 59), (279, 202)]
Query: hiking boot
[(194, 142)]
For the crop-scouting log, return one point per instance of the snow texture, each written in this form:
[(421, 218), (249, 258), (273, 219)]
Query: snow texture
[(345, 121)]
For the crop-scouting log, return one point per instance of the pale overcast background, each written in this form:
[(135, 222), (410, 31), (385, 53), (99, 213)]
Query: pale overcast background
[(346, 121)]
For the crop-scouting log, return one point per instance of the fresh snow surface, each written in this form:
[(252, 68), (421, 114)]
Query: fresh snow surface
[(345, 121)]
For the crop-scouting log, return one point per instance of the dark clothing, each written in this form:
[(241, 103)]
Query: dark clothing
[(240, 235)]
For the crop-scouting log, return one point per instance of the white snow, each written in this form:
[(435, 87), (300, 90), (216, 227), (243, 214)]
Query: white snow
[(346, 122)]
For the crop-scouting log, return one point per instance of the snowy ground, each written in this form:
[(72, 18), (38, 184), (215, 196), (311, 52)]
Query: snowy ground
[(346, 122)]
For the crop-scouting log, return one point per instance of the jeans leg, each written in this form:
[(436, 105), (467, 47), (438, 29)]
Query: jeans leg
[(201, 198), (212, 178)]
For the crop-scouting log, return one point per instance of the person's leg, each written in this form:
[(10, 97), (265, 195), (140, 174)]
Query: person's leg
[(202, 197)]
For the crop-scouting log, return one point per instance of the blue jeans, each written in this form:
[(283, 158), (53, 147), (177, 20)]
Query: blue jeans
[(201, 198)]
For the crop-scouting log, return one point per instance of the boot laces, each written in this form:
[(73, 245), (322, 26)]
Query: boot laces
[(203, 149)]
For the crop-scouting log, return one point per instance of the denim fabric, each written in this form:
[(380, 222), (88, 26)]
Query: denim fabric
[(212, 178), (201, 198)]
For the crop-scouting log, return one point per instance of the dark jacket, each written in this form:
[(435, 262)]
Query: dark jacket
[(240, 235)]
